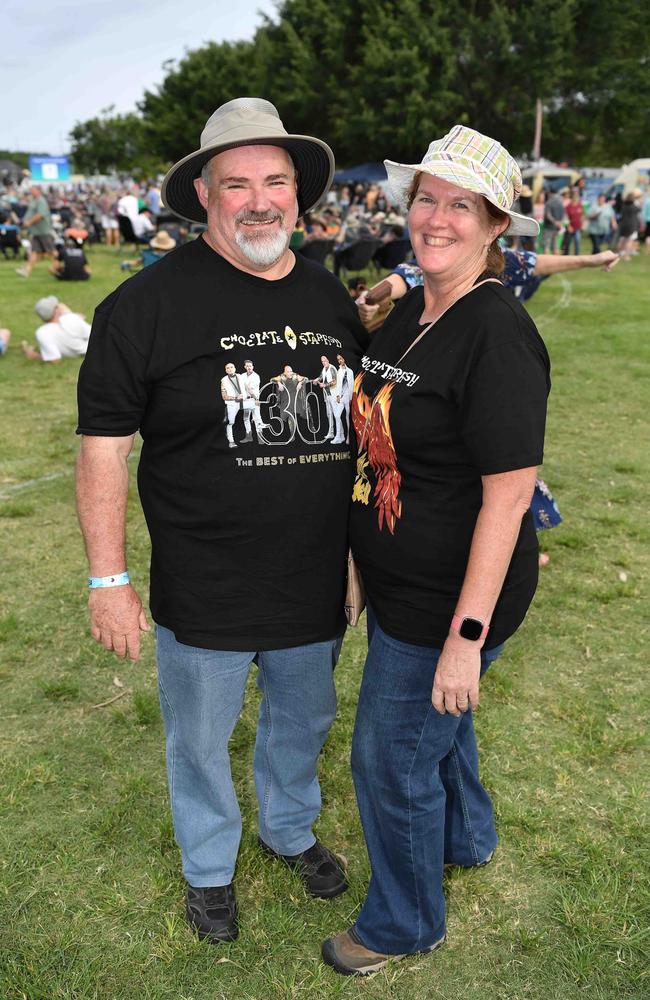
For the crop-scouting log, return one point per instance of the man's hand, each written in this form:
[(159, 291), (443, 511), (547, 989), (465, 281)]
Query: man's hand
[(455, 686), (117, 618)]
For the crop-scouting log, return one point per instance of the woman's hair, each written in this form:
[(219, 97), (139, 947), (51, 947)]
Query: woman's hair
[(495, 259)]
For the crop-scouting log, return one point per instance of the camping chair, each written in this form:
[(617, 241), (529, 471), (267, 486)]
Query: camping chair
[(355, 257), (126, 230), (317, 250), (389, 255), (9, 240)]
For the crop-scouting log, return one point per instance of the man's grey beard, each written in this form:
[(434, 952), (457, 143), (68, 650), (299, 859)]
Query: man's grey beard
[(263, 249)]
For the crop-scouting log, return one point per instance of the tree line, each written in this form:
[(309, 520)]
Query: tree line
[(378, 78)]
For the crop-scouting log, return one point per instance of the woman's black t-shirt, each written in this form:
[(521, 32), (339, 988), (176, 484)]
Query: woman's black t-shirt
[(468, 400)]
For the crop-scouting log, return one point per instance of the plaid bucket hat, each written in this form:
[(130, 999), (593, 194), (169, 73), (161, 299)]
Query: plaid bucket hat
[(248, 121), (473, 161)]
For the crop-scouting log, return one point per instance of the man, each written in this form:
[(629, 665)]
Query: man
[(232, 393), (232, 579), (251, 403), (38, 223), (128, 204), (327, 382), (64, 334), (143, 227), (290, 402), (344, 387), (71, 263), (553, 221)]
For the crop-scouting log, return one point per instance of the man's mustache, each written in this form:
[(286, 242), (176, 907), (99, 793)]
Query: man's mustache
[(259, 217)]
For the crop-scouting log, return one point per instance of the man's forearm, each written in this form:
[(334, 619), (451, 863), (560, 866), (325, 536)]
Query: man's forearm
[(102, 493)]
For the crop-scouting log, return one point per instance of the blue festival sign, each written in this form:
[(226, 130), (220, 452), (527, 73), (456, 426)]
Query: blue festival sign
[(49, 168)]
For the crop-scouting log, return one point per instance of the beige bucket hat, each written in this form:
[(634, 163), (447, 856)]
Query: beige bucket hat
[(470, 160), (162, 241), (248, 121)]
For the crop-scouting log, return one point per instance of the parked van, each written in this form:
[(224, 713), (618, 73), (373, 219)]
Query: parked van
[(551, 178)]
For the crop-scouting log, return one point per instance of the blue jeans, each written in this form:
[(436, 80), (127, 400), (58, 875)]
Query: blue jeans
[(421, 802), (201, 696)]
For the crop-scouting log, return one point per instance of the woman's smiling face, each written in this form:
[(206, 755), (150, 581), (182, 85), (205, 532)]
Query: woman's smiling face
[(450, 228)]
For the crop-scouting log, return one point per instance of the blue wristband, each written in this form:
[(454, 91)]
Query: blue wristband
[(119, 580)]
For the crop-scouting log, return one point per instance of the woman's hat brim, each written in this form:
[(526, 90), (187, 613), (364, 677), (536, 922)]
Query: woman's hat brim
[(312, 158), (400, 178)]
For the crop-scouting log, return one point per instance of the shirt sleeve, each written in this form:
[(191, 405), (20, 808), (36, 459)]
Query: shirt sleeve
[(112, 390), (504, 406)]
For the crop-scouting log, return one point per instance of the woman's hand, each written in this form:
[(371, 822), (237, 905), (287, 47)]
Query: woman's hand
[(455, 686)]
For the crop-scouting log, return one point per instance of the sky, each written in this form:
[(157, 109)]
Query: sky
[(64, 61)]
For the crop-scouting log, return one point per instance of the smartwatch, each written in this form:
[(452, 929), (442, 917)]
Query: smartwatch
[(469, 628)]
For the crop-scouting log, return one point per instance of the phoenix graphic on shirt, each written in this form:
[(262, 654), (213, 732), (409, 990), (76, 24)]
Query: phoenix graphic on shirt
[(371, 420)]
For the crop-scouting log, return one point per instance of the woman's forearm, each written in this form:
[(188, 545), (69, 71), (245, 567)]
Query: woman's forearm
[(506, 498)]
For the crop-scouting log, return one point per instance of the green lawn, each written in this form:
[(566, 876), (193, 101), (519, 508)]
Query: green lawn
[(91, 891)]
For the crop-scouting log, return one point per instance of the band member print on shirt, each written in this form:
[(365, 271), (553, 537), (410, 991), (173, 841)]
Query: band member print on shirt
[(344, 387), (232, 393), (289, 406), (327, 382)]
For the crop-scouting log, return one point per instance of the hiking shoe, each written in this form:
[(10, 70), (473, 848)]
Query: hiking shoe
[(320, 870), (212, 912), (349, 957)]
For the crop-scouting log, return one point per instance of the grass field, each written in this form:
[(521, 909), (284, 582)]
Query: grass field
[(91, 890)]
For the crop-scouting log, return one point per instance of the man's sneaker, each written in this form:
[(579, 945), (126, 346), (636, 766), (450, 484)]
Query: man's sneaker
[(348, 956), (322, 872), (212, 912), (23, 272)]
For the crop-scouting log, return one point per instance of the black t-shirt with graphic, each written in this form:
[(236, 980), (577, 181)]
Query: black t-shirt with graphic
[(246, 498), (468, 400)]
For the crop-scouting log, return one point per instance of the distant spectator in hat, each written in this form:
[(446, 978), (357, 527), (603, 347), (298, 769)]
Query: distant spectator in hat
[(38, 223), (71, 263), (158, 247), (143, 227), (64, 334)]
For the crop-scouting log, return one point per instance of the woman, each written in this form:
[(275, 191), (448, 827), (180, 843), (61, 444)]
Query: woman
[(449, 412)]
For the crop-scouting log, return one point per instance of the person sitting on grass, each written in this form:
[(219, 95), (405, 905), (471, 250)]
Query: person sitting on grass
[(71, 263), (64, 333), (5, 337), (158, 247)]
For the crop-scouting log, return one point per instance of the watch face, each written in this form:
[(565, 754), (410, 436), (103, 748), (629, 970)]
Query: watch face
[(471, 628)]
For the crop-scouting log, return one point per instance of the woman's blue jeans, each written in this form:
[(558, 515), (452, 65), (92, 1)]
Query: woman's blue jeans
[(201, 696), (421, 801)]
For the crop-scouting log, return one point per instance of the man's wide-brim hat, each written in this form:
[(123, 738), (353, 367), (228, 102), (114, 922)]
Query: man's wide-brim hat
[(472, 161), (248, 121)]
